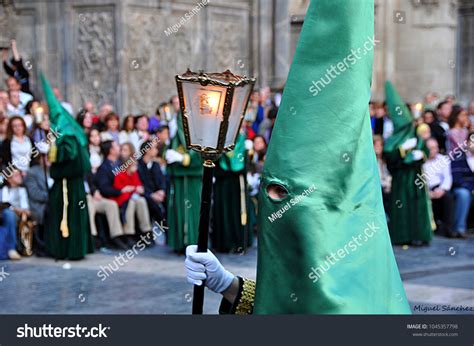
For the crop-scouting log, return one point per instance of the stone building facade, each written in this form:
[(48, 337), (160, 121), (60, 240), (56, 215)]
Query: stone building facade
[(127, 52), (424, 45)]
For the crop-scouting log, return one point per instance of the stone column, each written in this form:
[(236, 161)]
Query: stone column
[(265, 37), (426, 48), (465, 53), (281, 43)]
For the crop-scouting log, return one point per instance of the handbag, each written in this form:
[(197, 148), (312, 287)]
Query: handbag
[(26, 228)]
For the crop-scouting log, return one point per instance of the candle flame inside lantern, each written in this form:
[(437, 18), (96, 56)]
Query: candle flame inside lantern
[(208, 102)]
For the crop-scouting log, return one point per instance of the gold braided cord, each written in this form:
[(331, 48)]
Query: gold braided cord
[(245, 304), (243, 205), (64, 227), (53, 153)]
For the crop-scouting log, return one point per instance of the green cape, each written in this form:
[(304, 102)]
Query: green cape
[(234, 161), (325, 248), (61, 121)]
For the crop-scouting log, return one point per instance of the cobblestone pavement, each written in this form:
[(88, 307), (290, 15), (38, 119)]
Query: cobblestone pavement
[(436, 278)]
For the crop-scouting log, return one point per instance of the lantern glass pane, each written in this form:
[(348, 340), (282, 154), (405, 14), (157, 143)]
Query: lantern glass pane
[(238, 104), (204, 105)]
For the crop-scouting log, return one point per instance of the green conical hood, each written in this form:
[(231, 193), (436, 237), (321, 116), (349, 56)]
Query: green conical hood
[(402, 119), (325, 248), (61, 121)]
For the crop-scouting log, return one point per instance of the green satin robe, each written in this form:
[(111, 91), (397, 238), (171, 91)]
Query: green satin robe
[(411, 217), (231, 230), (184, 195), (70, 163)]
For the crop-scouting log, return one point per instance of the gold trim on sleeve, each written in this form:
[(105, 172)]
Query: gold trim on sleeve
[(246, 301)]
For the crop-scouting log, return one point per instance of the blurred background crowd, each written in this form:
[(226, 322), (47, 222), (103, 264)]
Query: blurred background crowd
[(128, 186), (446, 167), (132, 185)]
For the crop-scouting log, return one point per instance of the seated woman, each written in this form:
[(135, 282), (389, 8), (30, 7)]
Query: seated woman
[(41, 133), (112, 127), (14, 201), (127, 153), (16, 149), (85, 119), (458, 129), (131, 200), (94, 149), (127, 128), (141, 133)]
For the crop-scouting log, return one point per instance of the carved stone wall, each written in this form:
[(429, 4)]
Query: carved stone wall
[(6, 22), (149, 60), (118, 51), (94, 63), (21, 22)]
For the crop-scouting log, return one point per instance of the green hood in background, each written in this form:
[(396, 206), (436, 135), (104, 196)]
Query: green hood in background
[(61, 121), (324, 248), (403, 128), (411, 217)]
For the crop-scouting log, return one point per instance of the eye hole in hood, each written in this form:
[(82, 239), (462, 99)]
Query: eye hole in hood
[(276, 192)]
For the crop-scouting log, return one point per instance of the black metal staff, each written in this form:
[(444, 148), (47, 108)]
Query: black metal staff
[(203, 237), (212, 107)]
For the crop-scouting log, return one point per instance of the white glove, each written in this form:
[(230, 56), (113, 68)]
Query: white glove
[(248, 144), (205, 266), (417, 155), (409, 144), (43, 147), (173, 156)]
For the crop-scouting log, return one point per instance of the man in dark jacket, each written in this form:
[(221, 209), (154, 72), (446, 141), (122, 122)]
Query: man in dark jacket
[(102, 184), (463, 184), (97, 204), (104, 178), (153, 180)]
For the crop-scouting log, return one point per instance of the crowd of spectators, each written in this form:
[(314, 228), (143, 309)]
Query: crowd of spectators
[(128, 181), (448, 171)]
